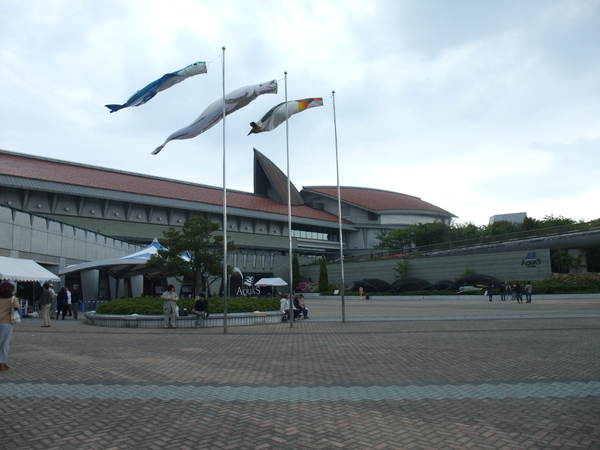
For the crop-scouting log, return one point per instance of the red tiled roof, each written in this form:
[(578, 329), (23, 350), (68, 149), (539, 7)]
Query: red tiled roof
[(376, 199), (25, 166)]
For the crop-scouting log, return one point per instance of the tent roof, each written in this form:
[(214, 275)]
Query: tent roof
[(123, 267), (24, 270), (270, 282)]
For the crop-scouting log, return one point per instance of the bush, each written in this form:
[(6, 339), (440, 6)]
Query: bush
[(154, 305), (573, 283)]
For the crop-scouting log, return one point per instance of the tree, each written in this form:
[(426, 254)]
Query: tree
[(323, 277), (402, 268), (562, 262), (398, 238), (193, 253), (296, 276)]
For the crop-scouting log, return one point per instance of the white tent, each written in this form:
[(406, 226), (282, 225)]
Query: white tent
[(270, 282), (24, 270), (123, 267)]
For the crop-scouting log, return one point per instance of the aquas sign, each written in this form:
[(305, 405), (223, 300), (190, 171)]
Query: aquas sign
[(530, 260)]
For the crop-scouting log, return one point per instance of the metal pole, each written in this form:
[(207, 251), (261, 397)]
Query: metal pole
[(225, 280), (287, 145), (337, 169)]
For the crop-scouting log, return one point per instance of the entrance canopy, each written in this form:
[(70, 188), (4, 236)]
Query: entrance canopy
[(123, 267), (24, 270), (270, 282)]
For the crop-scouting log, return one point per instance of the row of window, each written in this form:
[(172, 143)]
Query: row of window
[(310, 235)]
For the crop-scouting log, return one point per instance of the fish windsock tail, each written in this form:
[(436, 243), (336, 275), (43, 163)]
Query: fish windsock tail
[(114, 108), (255, 128), (158, 149)]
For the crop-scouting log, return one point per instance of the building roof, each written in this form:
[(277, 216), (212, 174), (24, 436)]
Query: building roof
[(51, 170), (377, 200)]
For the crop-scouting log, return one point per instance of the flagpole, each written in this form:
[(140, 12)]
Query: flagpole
[(337, 169), (225, 280), (287, 145)]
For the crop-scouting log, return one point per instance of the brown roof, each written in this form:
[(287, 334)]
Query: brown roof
[(377, 199), (32, 167)]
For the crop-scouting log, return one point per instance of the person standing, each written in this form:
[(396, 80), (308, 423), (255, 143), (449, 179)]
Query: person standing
[(490, 291), (70, 313), (528, 291), (170, 306), (53, 296), (8, 303), (200, 310), (45, 304), (503, 289), (61, 303), (75, 297), (518, 292)]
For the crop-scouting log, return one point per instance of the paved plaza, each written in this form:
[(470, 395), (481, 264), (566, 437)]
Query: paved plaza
[(418, 373)]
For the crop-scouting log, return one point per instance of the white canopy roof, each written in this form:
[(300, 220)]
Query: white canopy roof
[(270, 282), (24, 270), (123, 267)]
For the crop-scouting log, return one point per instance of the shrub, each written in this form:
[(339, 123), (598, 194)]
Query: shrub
[(154, 305), (307, 286)]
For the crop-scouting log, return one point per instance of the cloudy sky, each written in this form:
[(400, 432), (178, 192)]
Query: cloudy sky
[(479, 107)]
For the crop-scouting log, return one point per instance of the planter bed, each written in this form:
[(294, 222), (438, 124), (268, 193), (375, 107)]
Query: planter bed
[(157, 321)]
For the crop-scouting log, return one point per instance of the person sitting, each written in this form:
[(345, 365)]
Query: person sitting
[(302, 306), (200, 310), (297, 308)]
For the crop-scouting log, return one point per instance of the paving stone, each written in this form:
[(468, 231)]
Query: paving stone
[(397, 375)]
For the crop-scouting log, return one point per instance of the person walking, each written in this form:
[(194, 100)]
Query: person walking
[(46, 304), (75, 298), (170, 306), (8, 303)]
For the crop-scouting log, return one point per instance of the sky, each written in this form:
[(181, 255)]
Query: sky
[(478, 107)]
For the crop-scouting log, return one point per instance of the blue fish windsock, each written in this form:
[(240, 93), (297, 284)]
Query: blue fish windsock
[(214, 112), (164, 82), (279, 113)]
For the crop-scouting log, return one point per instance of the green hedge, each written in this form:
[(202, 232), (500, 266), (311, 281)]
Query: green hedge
[(154, 305)]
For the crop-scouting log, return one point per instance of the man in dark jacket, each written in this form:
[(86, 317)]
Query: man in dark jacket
[(200, 310), (75, 297)]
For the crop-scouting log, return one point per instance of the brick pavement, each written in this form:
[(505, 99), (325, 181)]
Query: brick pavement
[(458, 373)]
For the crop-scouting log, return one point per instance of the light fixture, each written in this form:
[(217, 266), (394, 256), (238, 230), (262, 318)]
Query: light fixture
[(92, 211), (117, 214), (66, 208), (160, 219), (139, 216), (9, 202), (39, 206)]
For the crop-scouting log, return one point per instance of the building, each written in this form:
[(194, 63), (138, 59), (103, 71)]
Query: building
[(123, 209)]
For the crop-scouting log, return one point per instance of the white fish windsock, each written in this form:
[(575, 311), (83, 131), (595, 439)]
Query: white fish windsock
[(164, 82), (277, 115), (214, 112)]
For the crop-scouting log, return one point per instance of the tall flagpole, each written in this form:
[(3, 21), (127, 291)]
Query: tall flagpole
[(225, 280), (337, 169), (287, 145)]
